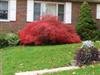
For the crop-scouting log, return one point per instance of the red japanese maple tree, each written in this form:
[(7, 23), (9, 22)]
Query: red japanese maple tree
[(49, 30)]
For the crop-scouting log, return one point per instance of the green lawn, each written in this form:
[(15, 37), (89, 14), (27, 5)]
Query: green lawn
[(28, 58), (89, 70), (0, 62)]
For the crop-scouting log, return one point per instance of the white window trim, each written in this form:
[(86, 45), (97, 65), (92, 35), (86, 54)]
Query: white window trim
[(30, 8), (68, 12), (11, 17), (47, 2), (98, 11), (6, 20), (67, 9), (12, 10), (57, 10), (43, 8)]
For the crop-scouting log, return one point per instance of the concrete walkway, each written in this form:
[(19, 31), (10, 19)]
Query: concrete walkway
[(40, 72)]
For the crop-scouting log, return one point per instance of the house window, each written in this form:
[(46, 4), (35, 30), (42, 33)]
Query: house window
[(51, 9), (43, 8), (37, 11), (4, 10), (61, 12)]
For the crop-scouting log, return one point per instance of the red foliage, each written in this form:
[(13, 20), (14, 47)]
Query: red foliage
[(48, 30)]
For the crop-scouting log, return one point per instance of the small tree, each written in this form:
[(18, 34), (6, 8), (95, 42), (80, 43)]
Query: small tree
[(86, 26)]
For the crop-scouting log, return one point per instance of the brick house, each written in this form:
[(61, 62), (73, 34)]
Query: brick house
[(14, 14)]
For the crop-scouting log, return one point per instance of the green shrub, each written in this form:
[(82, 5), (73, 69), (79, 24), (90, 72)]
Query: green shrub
[(3, 41), (86, 26), (12, 39), (97, 35), (8, 39)]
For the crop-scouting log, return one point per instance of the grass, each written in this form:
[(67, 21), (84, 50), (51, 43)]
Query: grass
[(0, 62), (89, 70), (28, 58), (16, 59)]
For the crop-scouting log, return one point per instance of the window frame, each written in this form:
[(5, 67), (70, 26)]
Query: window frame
[(34, 11), (6, 20), (47, 2), (97, 11), (63, 11)]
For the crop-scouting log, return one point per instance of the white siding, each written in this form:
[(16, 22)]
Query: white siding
[(68, 12)]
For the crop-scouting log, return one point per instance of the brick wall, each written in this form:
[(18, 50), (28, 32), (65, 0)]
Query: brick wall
[(76, 12), (21, 18)]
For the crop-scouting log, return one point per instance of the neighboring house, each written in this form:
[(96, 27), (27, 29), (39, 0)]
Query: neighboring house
[(14, 14)]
